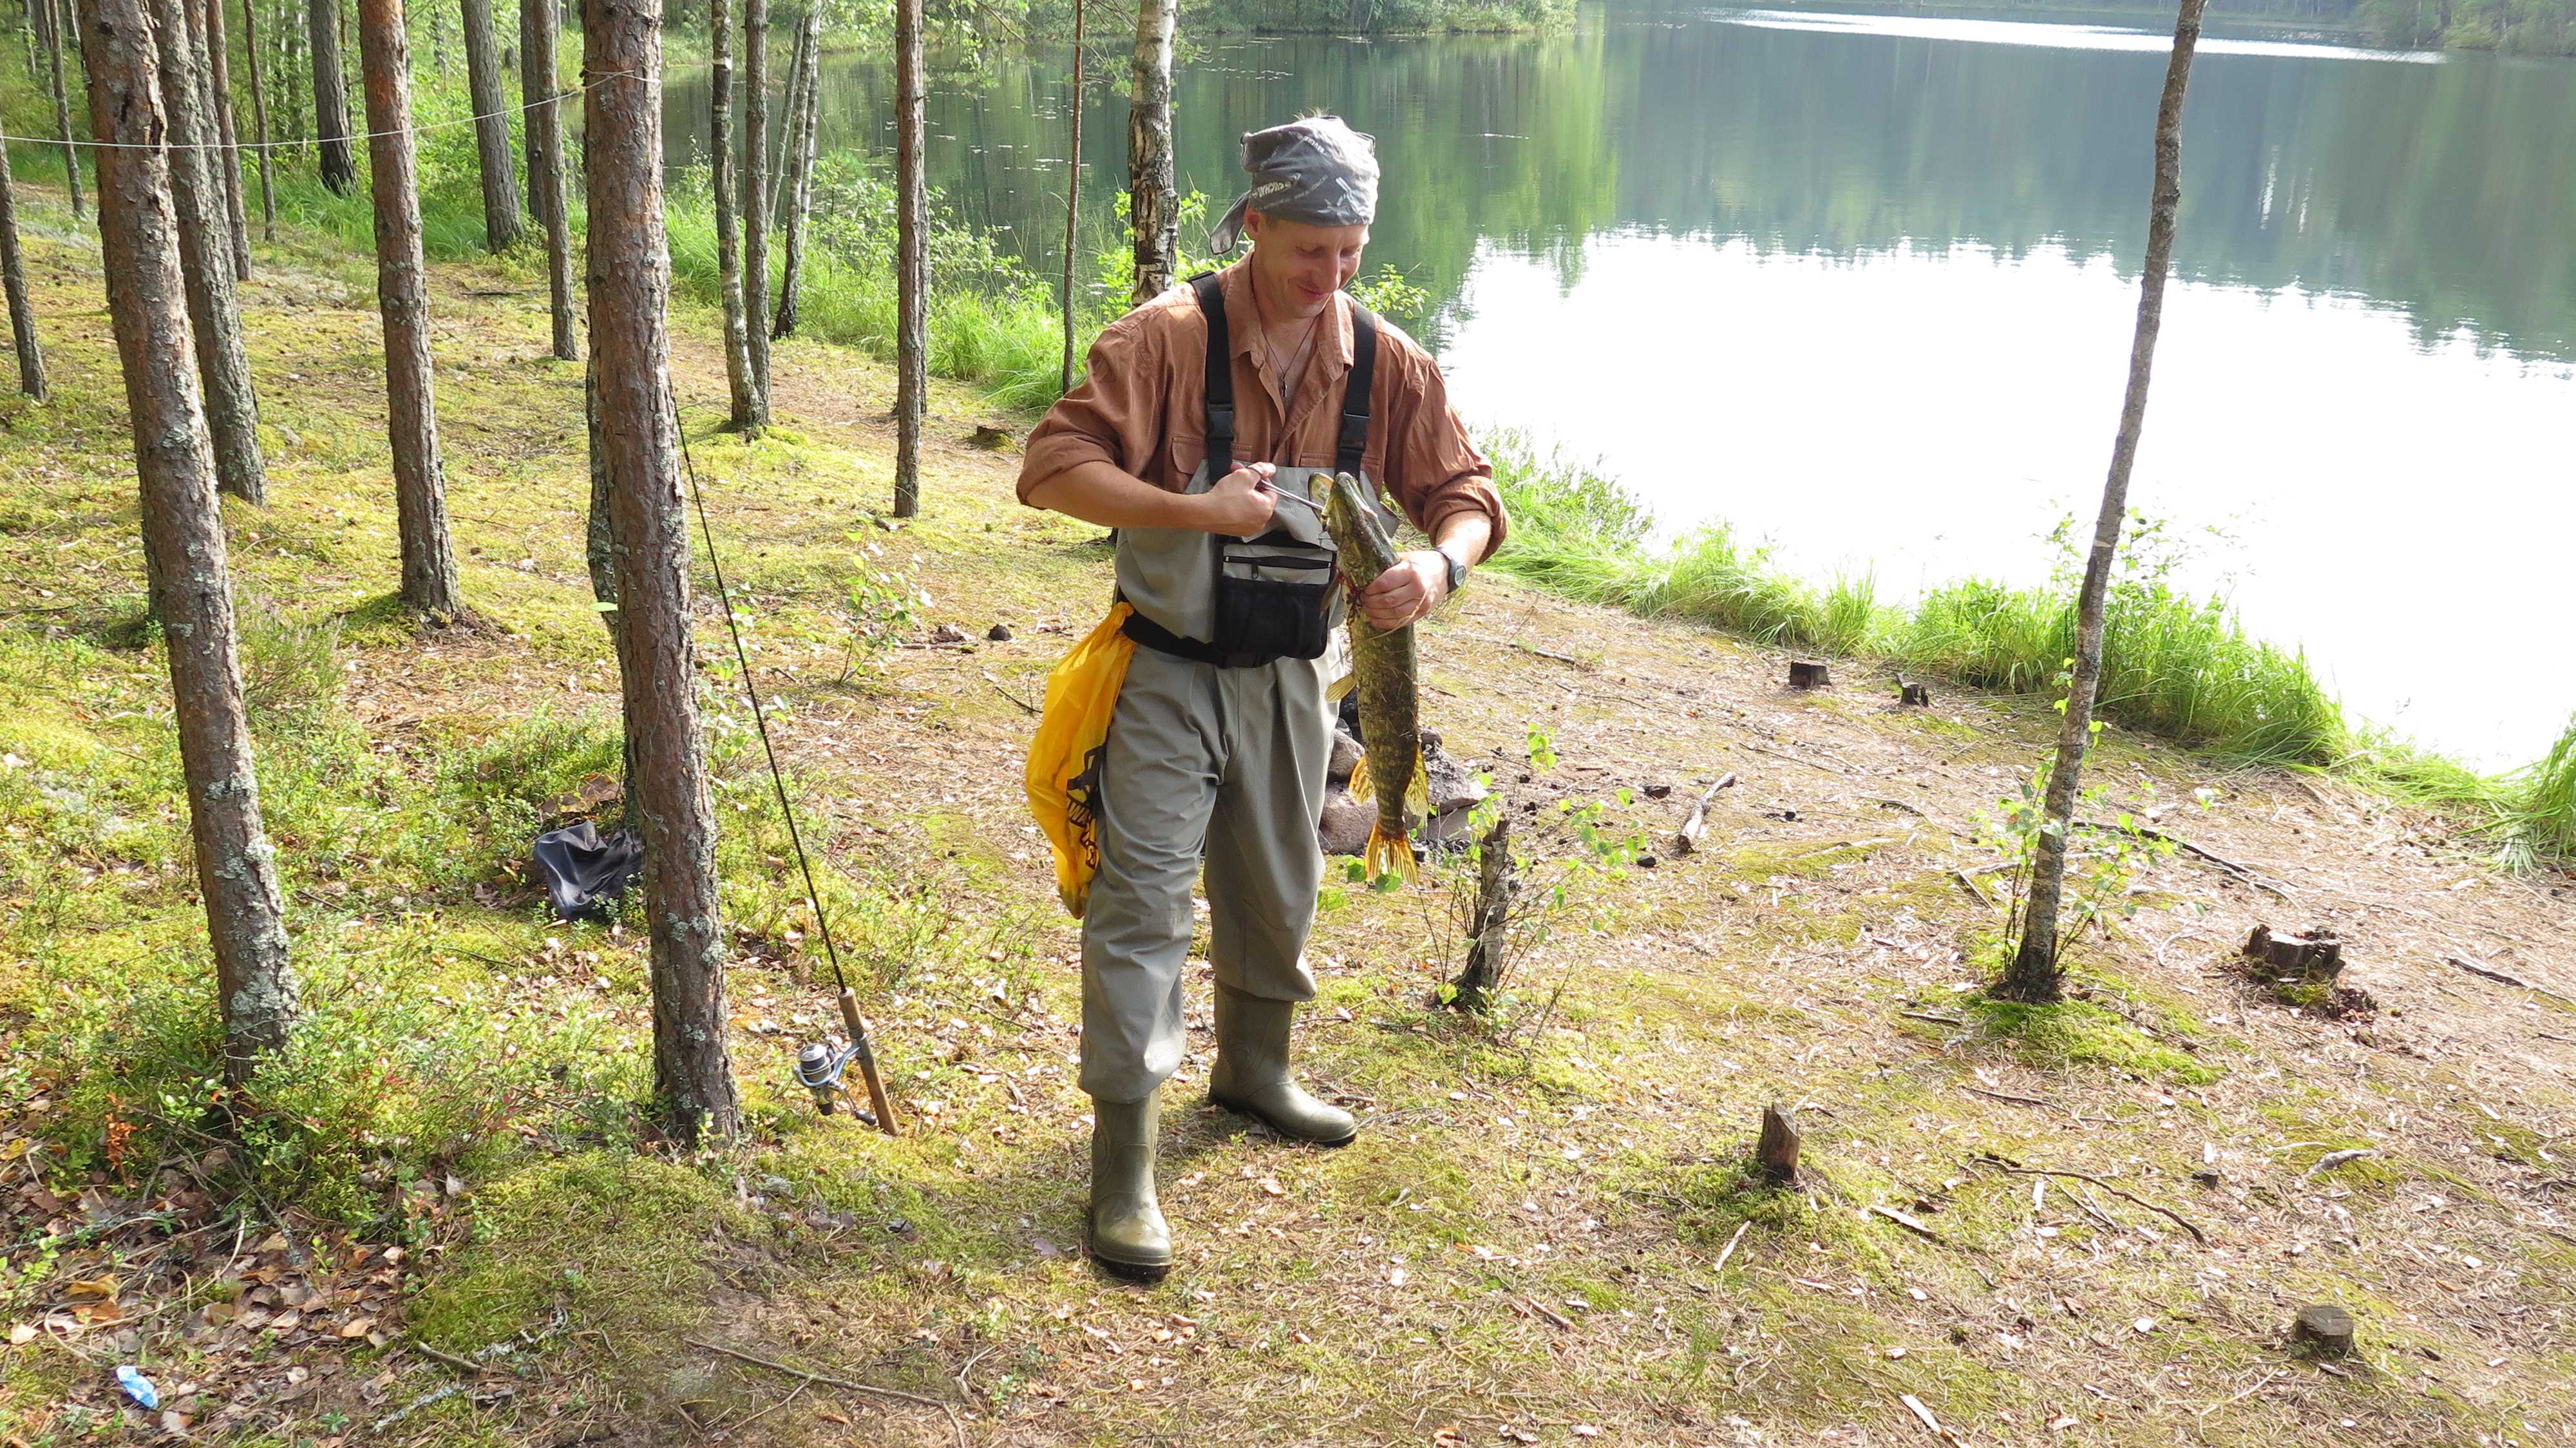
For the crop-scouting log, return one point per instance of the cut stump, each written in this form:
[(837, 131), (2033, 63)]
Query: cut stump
[(1806, 675), (1914, 693), (2315, 955), (1777, 1149), (2324, 1329)]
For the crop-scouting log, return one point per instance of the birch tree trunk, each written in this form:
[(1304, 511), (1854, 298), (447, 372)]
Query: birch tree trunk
[(912, 280), (54, 21), (402, 294), (258, 118), (746, 410), (755, 194), (539, 89), (630, 285), (231, 407), (13, 287), (1072, 195), (1152, 210), (805, 97), (206, 29), (184, 535), (2033, 972), (330, 96), (491, 125)]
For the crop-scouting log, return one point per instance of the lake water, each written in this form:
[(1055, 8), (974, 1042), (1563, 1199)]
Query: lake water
[(1862, 285)]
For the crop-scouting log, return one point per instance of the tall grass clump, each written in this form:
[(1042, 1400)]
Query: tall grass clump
[(2174, 665), (2541, 817)]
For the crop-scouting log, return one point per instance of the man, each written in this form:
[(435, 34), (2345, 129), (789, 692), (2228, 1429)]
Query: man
[(1218, 746)]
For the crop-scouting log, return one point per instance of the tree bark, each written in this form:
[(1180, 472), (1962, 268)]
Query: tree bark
[(13, 285), (755, 195), (231, 406), (259, 118), (214, 76), (1152, 210), (491, 125), (804, 102), (539, 88), (402, 294), (1072, 195), (2033, 974), (912, 280), (630, 284), (53, 32), (330, 96), (745, 414), (184, 535)]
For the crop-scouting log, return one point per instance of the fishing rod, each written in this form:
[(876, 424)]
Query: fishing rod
[(819, 1068)]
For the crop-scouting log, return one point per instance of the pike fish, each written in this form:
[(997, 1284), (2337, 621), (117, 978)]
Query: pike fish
[(1382, 667)]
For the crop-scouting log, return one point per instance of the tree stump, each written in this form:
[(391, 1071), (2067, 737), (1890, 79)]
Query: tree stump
[(2324, 1329), (1914, 693), (2315, 955), (1777, 1149), (1806, 675)]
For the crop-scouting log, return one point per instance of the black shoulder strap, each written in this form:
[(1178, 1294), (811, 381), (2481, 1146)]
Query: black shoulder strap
[(1355, 391), (1220, 377)]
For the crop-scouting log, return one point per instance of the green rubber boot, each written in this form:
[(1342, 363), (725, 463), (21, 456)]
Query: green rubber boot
[(1128, 1235), (1251, 1072)]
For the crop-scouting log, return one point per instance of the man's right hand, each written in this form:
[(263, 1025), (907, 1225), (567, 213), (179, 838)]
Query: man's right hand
[(1241, 503)]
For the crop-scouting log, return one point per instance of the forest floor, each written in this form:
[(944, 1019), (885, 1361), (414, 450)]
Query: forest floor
[(447, 1219)]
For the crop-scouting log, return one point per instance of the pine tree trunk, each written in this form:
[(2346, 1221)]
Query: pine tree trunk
[(745, 414), (755, 192), (539, 87), (630, 284), (912, 281), (491, 125), (805, 98), (205, 245), (206, 27), (330, 96), (1152, 210), (402, 293), (259, 118), (13, 287), (2033, 974), (1072, 194), (53, 28), (184, 536)]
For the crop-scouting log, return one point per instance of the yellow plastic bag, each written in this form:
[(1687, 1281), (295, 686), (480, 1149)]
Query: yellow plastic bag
[(1064, 759)]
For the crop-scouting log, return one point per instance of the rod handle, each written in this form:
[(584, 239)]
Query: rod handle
[(867, 1062)]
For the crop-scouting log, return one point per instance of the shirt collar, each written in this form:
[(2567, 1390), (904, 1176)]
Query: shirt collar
[(1243, 318)]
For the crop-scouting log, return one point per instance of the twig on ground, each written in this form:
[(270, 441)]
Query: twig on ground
[(463, 1364), (2486, 972), (2243, 873), (1792, 758), (1988, 1158), (845, 1384), (1910, 1224), (1935, 1019), (1729, 1249), (1687, 838)]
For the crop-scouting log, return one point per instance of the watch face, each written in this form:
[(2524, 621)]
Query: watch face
[(1457, 570)]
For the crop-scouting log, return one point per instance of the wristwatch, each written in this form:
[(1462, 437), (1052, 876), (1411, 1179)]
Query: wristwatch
[(1457, 567)]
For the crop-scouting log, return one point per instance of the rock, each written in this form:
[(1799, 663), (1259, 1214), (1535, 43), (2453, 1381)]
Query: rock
[(1346, 757), (1453, 785), (1645, 862), (1658, 790), (1448, 827), (999, 633), (1344, 828), (948, 633)]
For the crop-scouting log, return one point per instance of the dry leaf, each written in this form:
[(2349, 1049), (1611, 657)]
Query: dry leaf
[(103, 1288), (356, 1326), (22, 1332)]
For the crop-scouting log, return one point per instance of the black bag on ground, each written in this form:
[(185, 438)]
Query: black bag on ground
[(584, 872)]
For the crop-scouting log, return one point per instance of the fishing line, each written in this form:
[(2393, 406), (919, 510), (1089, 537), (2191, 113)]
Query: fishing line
[(818, 1069)]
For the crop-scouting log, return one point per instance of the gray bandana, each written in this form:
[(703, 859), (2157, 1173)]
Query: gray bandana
[(1317, 170)]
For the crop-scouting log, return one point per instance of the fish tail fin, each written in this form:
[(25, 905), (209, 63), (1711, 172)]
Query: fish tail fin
[(1388, 854), (1362, 787)]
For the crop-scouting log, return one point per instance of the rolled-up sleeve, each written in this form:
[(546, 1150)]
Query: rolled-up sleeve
[(1115, 416), (1435, 468)]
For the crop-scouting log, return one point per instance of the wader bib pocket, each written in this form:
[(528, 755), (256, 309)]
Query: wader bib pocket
[(1274, 597)]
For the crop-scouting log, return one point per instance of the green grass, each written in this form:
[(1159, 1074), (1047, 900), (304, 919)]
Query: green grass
[(2173, 665)]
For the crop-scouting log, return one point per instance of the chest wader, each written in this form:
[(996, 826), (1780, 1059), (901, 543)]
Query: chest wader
[(1216, 759)]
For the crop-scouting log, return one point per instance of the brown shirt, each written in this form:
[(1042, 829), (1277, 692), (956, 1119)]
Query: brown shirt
[(1143, 408)]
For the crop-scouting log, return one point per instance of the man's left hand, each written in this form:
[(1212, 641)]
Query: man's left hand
[(1407, 591)]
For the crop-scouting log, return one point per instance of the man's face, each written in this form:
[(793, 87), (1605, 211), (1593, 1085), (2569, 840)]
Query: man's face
[(1298, 267)]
